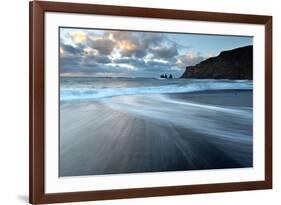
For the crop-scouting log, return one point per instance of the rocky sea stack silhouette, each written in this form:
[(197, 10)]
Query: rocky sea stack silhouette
[(231, 64), (166, 76)]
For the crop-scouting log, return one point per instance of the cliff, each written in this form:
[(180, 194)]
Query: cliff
[(232, 64)]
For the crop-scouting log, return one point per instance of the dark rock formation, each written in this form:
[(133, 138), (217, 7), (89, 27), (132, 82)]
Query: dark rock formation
[(232, 64), (166, 76)]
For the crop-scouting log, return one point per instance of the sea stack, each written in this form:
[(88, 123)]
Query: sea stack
[(231, 64)]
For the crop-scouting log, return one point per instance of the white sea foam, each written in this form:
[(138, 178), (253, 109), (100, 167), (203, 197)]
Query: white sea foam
[(218, 121), (87, 91)]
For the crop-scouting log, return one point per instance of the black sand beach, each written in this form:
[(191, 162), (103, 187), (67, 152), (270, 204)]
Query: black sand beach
[(173, 132)]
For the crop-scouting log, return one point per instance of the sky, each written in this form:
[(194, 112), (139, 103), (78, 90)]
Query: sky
[(115, 53)]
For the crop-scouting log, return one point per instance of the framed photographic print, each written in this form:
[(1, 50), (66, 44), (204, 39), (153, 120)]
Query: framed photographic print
[(139, 102)]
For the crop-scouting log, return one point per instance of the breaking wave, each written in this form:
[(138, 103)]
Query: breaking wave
[(87, 93)]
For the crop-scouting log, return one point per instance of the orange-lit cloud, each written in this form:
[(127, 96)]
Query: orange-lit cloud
[(79, 36), (126, 45)]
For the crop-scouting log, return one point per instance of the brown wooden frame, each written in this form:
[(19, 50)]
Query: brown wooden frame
[(37, 194)]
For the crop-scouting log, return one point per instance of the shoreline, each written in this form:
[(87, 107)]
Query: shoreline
[(133, 134)]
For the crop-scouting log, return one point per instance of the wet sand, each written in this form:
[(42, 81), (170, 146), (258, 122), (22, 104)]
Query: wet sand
[(100, 137)]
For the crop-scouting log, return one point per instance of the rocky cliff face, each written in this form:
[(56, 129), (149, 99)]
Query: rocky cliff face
[(232, 64)]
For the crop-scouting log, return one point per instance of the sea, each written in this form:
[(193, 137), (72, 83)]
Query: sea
[(131, 125), (166, 101), (90, 88)]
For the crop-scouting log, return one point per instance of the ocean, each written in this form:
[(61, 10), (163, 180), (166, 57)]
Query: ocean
[(88, 88), (132, 125)]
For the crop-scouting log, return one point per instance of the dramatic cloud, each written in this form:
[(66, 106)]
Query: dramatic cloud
[(125, 53), (78, 36), (71, 49), (189, 59), (94, 59), (103, 46), (132, 44), (164, 52)]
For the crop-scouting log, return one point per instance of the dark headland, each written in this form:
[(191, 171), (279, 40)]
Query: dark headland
[(231, 64)]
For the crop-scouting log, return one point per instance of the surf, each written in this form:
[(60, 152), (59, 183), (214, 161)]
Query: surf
[(88, 91)]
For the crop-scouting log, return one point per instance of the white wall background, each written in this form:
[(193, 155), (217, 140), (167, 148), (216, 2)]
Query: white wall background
[(14, 101)]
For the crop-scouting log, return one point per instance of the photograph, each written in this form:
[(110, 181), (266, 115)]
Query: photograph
[(133, 102), (143, 101)]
